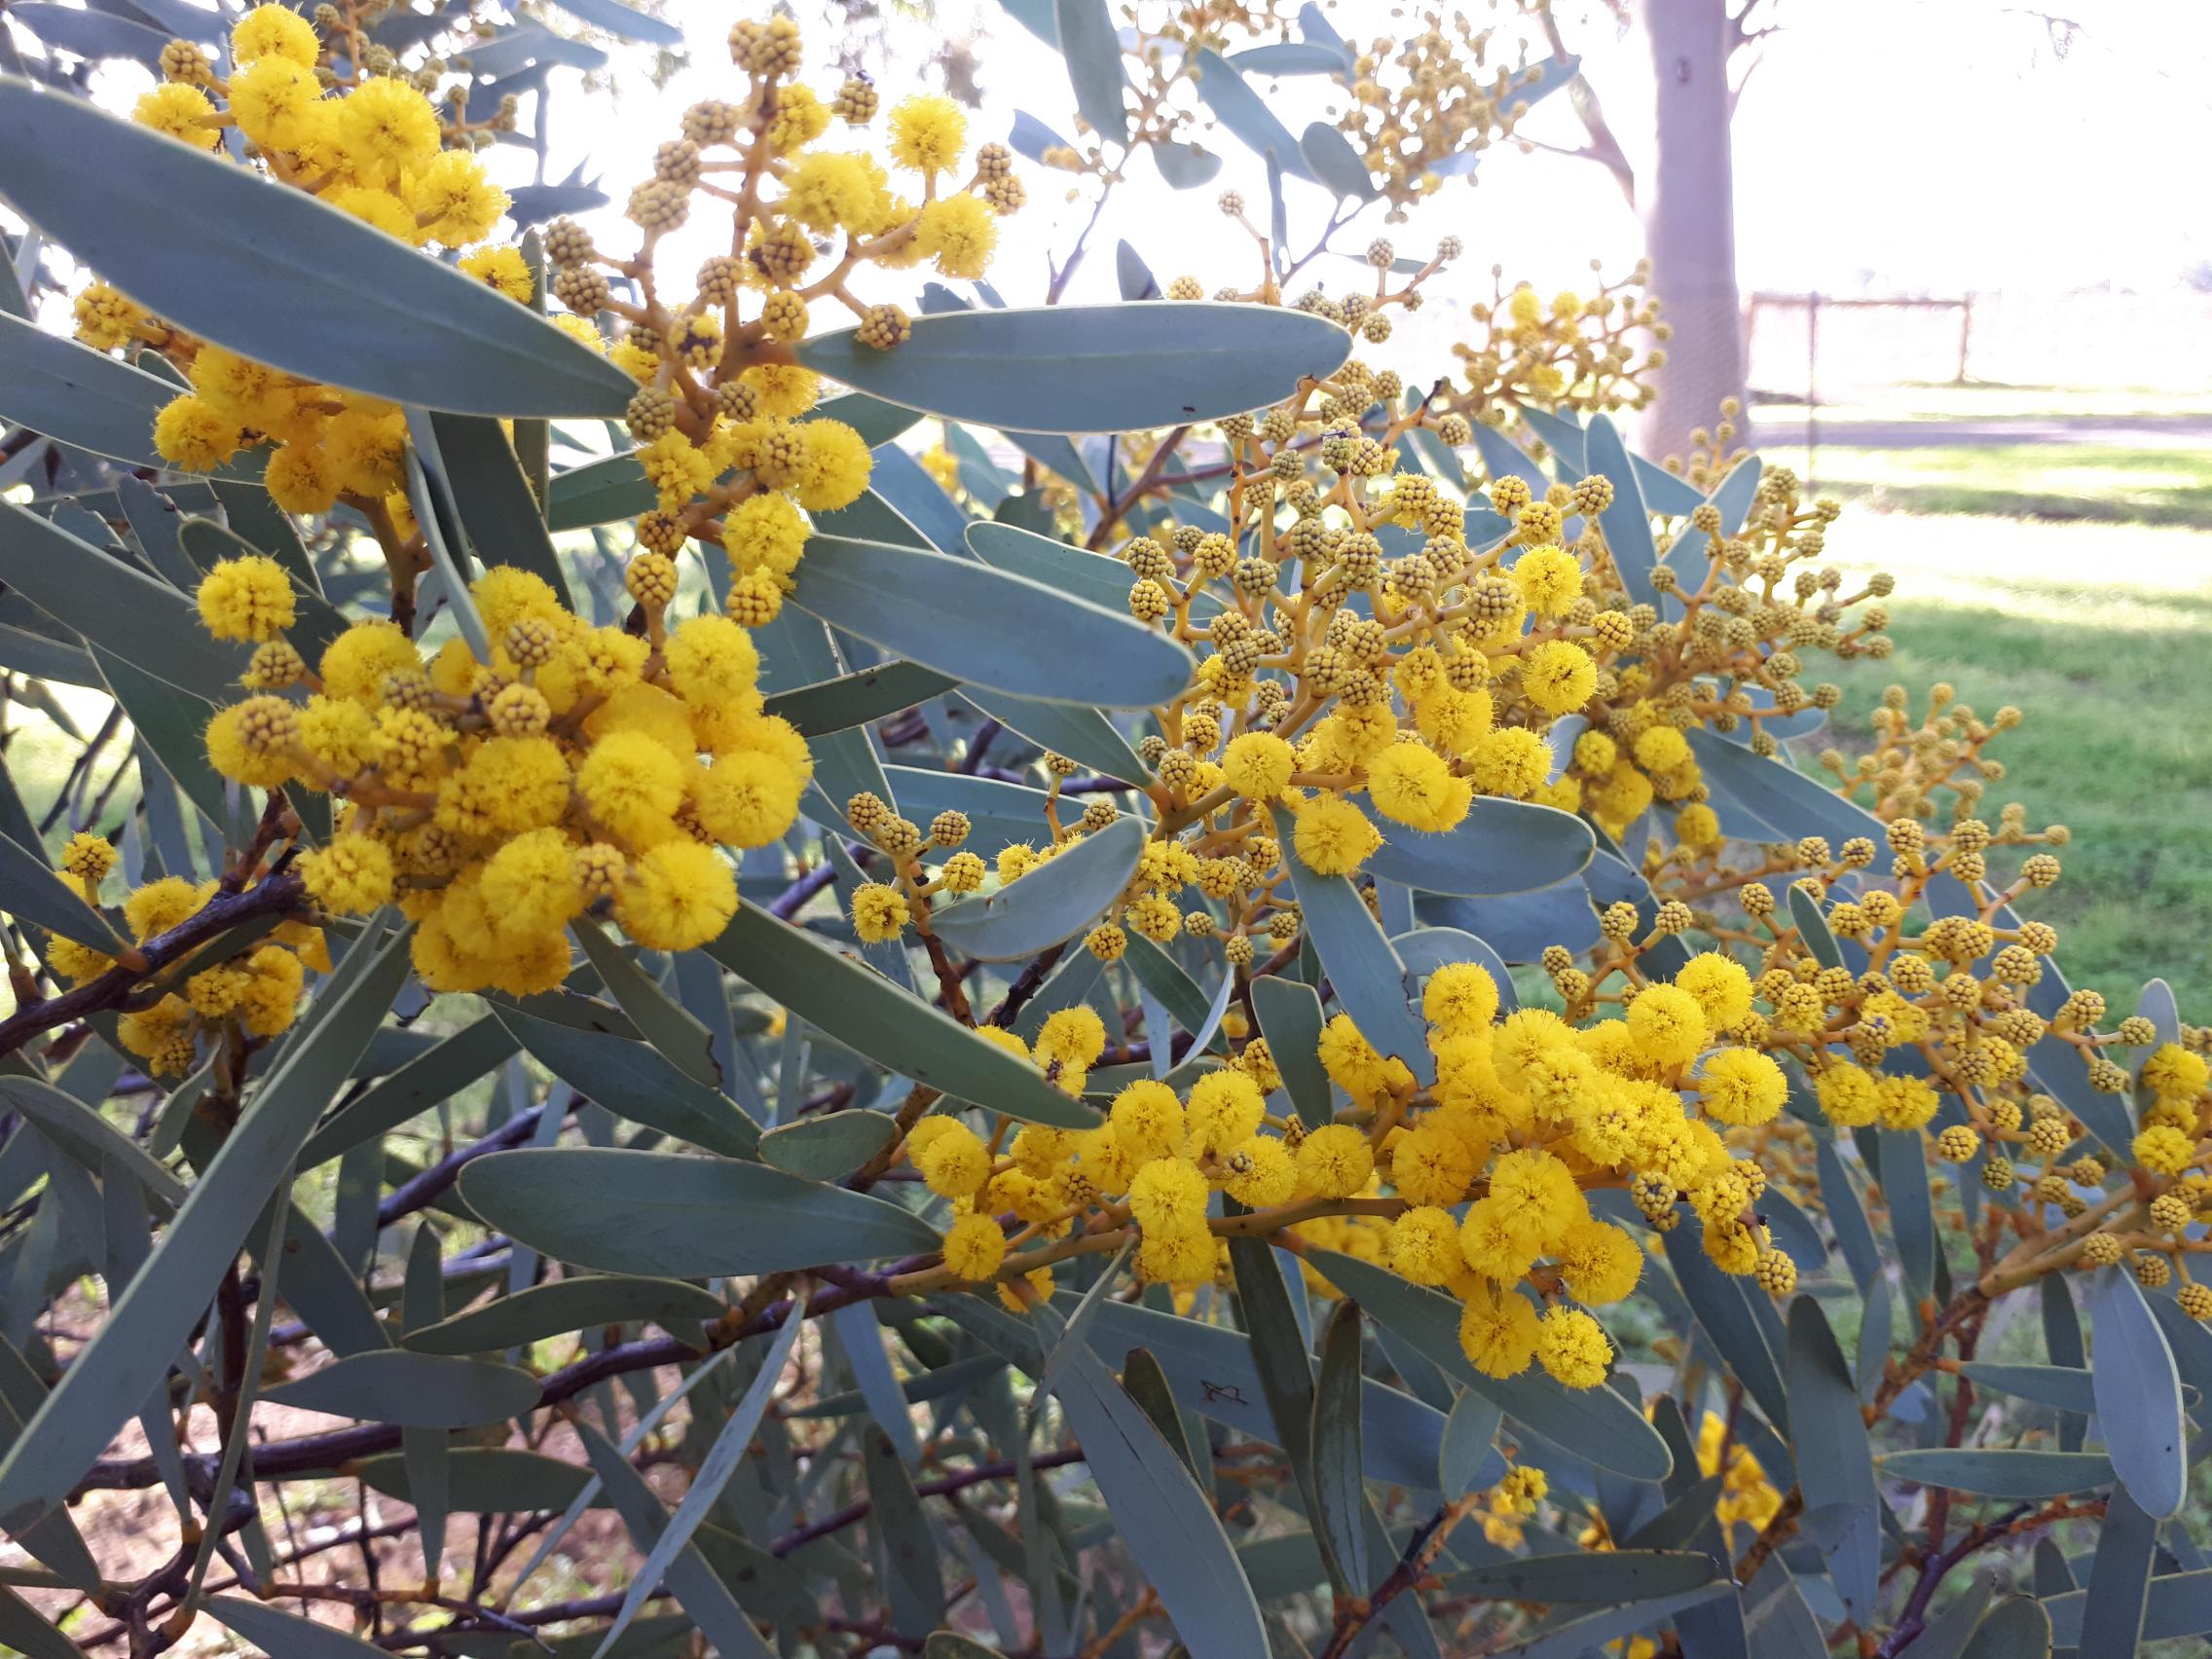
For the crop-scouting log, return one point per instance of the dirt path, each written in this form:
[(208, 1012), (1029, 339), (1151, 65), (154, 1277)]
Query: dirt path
[(1788, 430)]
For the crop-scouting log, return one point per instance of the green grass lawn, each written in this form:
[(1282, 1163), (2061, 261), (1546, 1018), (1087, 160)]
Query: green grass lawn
[(2103, 635), (2068, 482)]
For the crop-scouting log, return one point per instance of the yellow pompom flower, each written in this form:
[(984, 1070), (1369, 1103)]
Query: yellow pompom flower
[(1558, 677), (1741, 1087), (1258, 765), (182, 112), (1550, 579), (162, 904), (530, 884), (272, 101), (1167, 1198), (1071, 1036), (1598, 1262), (1413, 785), (679, 896), (826, 191), (926, 132), (453, 201), (960, 232), (1498, 1331), (275, 31), (106, 318), (388, 130), (1662, 748), (784, 391), (1721, 988), (1512, 761), (1667, 1025), (1424, 1246), (1225, 1109), (500, 266), (351, 876), (1335, 1162), (298, 479), (1573, 1347), (879, 912), (2173, 1073), (1540, 1197), (834, 467), (2164, 1150), (1460, 996), (954, 1162), (1258, 1172), (631, 785), (749, 799), (974, 1247), (764, 532), (1148, 1119), (249, 598), (1432, 1163), (252, 744), (1333, 836), (190, 433)]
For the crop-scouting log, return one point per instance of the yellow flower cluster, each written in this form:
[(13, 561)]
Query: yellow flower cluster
[(1573, 353), (724, 415), (580, 768), (1528, 1115), (250, 995), (368, 141)]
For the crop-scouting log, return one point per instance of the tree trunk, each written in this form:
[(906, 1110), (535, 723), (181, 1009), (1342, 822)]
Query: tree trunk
[(1689, 222)]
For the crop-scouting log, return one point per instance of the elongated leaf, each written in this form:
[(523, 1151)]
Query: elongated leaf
[(90, 33), (1469, 1458), (1246, 114), (79, 1130), (2060, 1387), (828, 1145), (2117, 1597), (31, 892), (1581, 1575), (1183, 167), (274, 1630), (1050, 903), (1577, 1636), (277, 275), (2177, 1603), (660, 1019), (1290, 1019), (1103, 580), (22, 1628), (566, 1304), (1217, 1373), (1338, 1463), (856, 699), (1721, 1304), (75, 394), (623, 21), (655, 1213), (1093, 54), (1170, 1527), (871, 1016), (2138, 1394), (1853, 1235), (173, 724), (1501, 846), (113, 1375), (1785, 800), (439, 1072), (1090, 368), (999, 813), (1424, 950), (1083, 734), (2002, 1473), (1836, 1460), (416, 1391), (486, 1479), (636, 1081), (1733, 496), (1913, 1217), (147, 623), (1813, 929), (2018, 1628), (730, 1445), (1282, 1351), (1626, 523), (494, 497), (1364, 972), (1596, 1423), (1328, 153), (701, 1590), (994, 630)]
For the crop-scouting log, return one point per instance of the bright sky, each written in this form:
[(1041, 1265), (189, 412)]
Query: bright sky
[(1902, 146), (1894, 146)]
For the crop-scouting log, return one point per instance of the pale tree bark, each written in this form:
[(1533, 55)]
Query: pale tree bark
[(1688, 206)]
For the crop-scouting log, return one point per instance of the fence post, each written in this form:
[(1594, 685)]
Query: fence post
[(1966, 336)]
